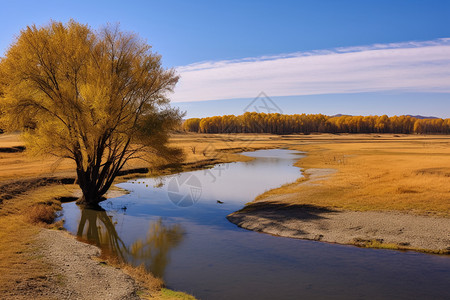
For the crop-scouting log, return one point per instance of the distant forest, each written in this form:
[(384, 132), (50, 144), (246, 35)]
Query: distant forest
[(252, 122)]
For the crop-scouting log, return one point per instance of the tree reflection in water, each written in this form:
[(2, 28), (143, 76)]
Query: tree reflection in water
[(98, 228)]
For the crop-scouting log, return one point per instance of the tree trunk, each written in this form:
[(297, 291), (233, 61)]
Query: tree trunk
[(91, 194), (90, 201)]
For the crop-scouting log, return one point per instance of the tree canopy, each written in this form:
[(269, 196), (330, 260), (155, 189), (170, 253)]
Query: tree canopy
[(99, 98), (252, 122)]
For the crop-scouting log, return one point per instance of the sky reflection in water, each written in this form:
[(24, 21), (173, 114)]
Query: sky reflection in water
[(197, 250)]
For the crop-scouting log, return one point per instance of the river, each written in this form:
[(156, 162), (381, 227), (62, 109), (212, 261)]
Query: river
[(176, 227)]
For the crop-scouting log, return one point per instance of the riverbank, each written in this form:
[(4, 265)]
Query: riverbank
[(372, 229), (390, 193), (31, 191), (39, 260), (404, 178), (81, 275)]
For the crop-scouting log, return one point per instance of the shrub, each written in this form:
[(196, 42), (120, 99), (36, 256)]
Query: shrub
[(41, 213)]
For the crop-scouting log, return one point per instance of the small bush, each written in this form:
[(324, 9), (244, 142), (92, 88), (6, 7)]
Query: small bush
[(41, 213)]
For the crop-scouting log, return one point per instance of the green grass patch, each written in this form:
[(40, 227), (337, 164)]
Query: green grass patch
[(169, 294)]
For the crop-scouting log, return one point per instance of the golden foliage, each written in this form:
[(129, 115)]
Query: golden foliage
[(96, 97), (252, 122)]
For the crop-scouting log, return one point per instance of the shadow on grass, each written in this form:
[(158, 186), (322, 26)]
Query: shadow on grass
[(12, 188), (284, 211)]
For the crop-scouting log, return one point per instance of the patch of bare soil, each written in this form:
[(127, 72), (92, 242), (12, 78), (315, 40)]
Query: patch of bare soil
[(76, 275)]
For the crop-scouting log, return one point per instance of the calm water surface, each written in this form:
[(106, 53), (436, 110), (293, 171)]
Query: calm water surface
[(176, 227)]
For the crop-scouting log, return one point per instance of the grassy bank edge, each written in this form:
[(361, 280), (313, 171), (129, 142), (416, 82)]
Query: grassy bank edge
[(36, 203), (190, 166), (291, 188), (23, 269)]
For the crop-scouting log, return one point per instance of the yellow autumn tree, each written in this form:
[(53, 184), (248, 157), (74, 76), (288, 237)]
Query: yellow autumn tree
[(252, 122), (99, 98)]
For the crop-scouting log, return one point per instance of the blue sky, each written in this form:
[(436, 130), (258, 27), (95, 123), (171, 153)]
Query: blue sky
[(396, 50)]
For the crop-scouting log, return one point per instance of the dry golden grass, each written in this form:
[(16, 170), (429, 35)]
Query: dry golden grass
[(153, 286), (16, 263), (19, 265), (408, 173), (20, 165), (381, 172), (208, 149), (223, 147), (42, 213), (23, 270), (10, 140), (375, 172), (33, 206)]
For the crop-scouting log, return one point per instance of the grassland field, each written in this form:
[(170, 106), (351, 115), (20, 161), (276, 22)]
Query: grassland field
[(401, 173)]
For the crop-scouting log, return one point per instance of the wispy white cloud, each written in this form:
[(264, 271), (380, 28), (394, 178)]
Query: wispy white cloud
[(409, 67)]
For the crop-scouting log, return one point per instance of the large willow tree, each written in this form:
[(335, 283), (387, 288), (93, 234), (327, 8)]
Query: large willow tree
[(96, 97)]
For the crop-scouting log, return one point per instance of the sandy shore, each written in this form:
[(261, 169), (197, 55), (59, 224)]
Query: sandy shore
[(363, 228)]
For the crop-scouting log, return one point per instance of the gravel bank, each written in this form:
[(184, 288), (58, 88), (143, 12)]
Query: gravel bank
[(347, 227), (75, 275)]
